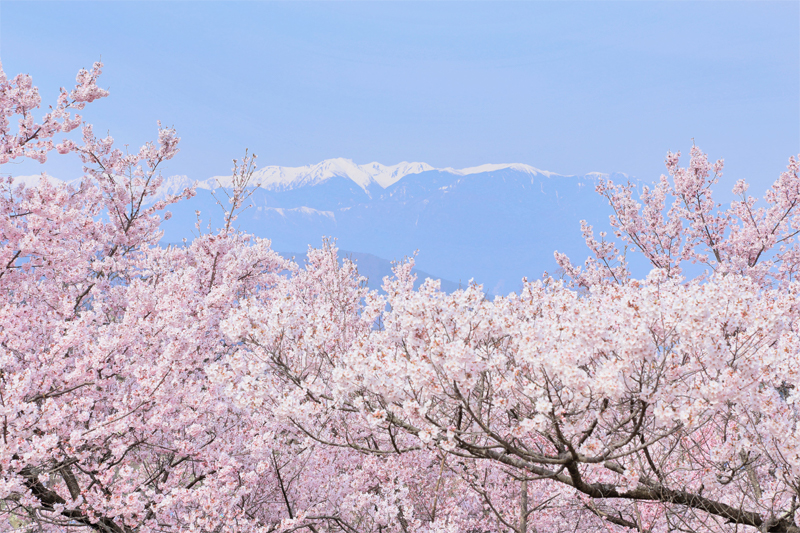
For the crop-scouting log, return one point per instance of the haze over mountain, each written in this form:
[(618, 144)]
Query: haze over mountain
[(494, 223)]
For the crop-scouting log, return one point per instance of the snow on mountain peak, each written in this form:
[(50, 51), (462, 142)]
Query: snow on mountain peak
[(519, 167), (279, 178), (389, 175), (283, 178)]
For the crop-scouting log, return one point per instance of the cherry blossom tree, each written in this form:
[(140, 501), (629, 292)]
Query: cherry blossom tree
[(118, 411), (218, 387), (601, 403), (757, 242), (92, 387)]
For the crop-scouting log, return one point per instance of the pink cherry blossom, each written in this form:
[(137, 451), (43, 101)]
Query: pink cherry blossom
[(218, 387)]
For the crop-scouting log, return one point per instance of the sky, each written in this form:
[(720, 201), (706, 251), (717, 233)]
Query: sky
[(569, 87)]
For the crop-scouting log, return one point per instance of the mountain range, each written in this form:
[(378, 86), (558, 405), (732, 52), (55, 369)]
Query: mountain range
[(494, 224)]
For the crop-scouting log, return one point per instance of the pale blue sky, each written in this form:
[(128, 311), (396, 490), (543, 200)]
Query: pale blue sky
[(570, 87)]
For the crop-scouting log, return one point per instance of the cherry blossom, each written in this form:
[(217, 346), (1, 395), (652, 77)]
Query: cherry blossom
[(218, 387)]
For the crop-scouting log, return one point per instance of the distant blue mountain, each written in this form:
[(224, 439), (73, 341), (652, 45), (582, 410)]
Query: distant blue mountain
[(495, 223)]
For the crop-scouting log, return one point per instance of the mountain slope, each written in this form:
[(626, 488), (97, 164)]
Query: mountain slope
[(493, 223)]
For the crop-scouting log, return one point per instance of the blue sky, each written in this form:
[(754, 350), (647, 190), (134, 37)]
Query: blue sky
[(570, 87)]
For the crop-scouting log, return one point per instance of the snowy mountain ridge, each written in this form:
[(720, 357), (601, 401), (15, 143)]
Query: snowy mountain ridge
[(278, 178), (494, 223)]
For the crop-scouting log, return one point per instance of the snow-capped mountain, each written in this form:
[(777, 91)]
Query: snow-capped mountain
[(275, 178), (517, 167), (494, 223)]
